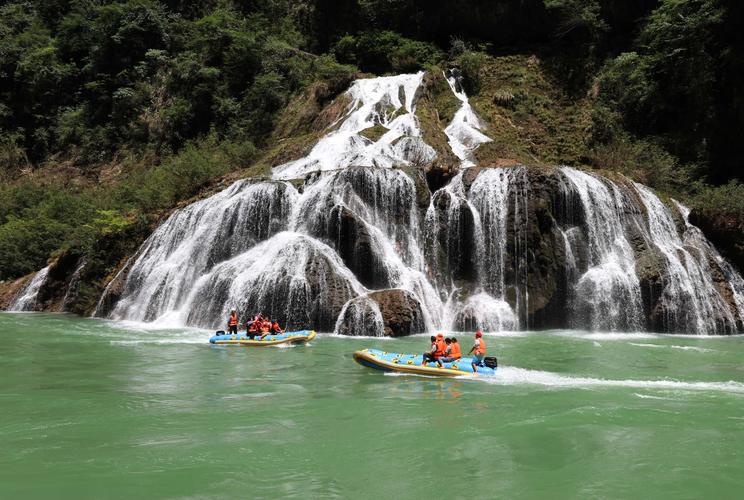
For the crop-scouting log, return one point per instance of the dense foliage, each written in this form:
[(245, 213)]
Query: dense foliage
[(112, 111)]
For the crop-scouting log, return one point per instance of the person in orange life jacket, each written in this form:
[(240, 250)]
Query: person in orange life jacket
[(451, 353), (252, 328), (275, 328), (455, 349), (265, 327), (232, 323), (478, 350), (437, 349)]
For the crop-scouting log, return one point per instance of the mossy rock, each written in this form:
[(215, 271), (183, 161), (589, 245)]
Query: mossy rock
[(374, 133)]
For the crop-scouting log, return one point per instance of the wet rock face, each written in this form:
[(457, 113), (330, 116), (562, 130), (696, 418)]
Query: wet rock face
[(725, 231), (61, 284), (451, 232), (401, 312), (354, 245), (544, 275), (114, 290)]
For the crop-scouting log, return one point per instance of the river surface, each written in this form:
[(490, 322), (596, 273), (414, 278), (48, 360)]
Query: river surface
[(99, 409)]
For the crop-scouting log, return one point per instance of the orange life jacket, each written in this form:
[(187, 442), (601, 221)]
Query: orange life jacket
[(265, 326), (455, 350), (481, 349), (233, 320), (441, 348), (276, 327), (253, 327)]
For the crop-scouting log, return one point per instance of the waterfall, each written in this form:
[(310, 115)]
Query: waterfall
[(359, 239), (485, 312), (690, 299), (387, 102), (450, 225), (608, 295), (496, 195), (196, 238), (26, 298), (465, 130), (360, 316), (291, 277)]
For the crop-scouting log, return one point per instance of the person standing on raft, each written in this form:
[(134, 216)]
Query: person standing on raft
[(478, 351), (232, 323)]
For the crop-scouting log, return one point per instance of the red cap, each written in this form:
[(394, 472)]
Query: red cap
[(440, 336), (478, 334)]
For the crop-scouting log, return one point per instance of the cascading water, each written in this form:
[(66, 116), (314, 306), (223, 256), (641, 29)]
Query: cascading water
[(465, 131), (26, 298), (496, 195), (356, 244), (360, 316), (196, 238), (385, 101), (608, 295), (690, 299)]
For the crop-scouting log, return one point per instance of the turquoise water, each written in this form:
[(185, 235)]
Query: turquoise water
[(96, 409)]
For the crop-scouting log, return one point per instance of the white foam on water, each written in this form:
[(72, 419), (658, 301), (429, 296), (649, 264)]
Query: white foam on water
[(680, 347), (619, 336), (649, 396), (520, 376), (605, 335), (162, 341)]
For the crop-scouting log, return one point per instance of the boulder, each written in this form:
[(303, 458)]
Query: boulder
[(401, 312)]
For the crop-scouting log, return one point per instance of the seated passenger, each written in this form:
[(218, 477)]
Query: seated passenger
[(275, 328), (429, 355), (447, 358), (437, 349), (455, 349), (252, 329), (265, 328)]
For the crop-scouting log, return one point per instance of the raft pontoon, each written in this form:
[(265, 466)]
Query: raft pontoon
[(413, 363), (289, 338)]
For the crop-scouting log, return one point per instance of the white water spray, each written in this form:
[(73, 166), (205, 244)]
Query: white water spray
[(26, 298)]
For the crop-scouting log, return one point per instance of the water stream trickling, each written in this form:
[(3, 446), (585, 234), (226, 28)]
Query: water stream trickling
[(26, 298)]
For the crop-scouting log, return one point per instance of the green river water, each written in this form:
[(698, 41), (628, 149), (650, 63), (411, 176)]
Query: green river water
[(97, 409)]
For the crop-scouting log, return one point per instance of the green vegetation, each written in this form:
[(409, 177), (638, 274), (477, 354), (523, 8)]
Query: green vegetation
[(114, 112)]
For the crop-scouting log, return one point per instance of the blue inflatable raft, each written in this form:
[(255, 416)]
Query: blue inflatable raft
[(290, 338), (412, 363)]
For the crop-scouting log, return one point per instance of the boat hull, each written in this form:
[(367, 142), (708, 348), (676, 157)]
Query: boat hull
[(413, 364), (288, 338)]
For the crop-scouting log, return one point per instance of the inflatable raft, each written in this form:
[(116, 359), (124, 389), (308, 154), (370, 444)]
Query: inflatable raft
[(290, 338), (412, 363)]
